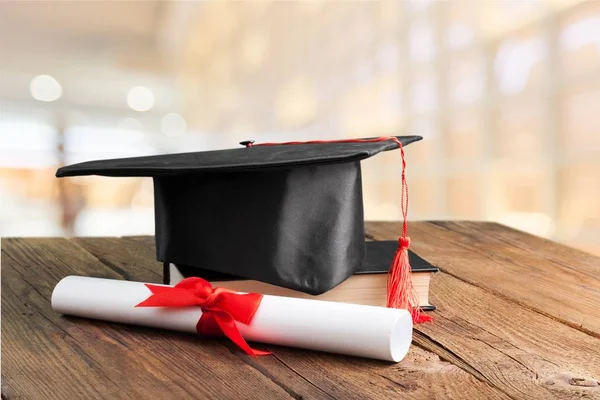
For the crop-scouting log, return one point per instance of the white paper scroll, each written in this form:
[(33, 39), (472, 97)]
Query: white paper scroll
[(358, 330)]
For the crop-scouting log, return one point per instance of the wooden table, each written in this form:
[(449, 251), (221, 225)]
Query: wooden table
[(518, 317)]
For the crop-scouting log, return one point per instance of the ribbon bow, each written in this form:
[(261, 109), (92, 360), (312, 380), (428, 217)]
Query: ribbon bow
[(221, 308)]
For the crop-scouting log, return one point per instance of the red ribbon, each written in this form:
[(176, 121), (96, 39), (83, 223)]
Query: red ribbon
[(220, 308)]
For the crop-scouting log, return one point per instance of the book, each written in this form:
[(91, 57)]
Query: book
[(368, 286)]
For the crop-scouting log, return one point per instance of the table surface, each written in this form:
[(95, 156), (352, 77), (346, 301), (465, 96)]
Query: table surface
[(517, 317)]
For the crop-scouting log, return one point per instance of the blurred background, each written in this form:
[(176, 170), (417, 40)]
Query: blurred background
[(506, 95)]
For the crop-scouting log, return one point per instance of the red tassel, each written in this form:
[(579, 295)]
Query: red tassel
[(400, 290)]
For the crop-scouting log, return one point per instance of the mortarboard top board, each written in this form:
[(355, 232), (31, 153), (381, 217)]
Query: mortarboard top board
[(287, 214)]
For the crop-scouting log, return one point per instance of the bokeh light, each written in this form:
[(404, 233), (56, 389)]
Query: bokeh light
[(45, 88), (140, 98), (173, 124)]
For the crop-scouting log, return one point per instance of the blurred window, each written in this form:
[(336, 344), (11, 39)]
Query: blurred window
[(460, 25), (579, 40), (521, 132), (466, 78), (421, 41), (417, 6), (27, 144), (580, 120), (84, 143), (505, 93), (464, 138), (463, 195), (388, 57), (424, 155), (518, 63), (424, 92)]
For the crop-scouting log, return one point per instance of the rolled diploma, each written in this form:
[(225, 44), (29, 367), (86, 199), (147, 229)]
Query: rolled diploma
[(358, 330)]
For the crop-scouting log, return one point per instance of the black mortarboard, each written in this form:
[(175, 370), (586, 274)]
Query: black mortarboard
[(286, 214)]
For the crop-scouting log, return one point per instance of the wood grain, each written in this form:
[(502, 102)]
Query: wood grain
[(92, 359), (550, 278), (133, 258), (141, 361), (493, 336), (421, 375), (514, 348), (519, 351), (443, 377)]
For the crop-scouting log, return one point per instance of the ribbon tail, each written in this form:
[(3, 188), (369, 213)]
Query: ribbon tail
[(229, 329)]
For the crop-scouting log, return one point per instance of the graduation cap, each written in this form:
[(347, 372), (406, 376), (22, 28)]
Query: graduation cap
[(288, 214)]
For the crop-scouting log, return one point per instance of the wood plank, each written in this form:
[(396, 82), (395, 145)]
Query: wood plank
[(37, 354), (133, 258), (348, 382), (553, 279), (515, 349), (157, 363), (421, 375), (301, 374)]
